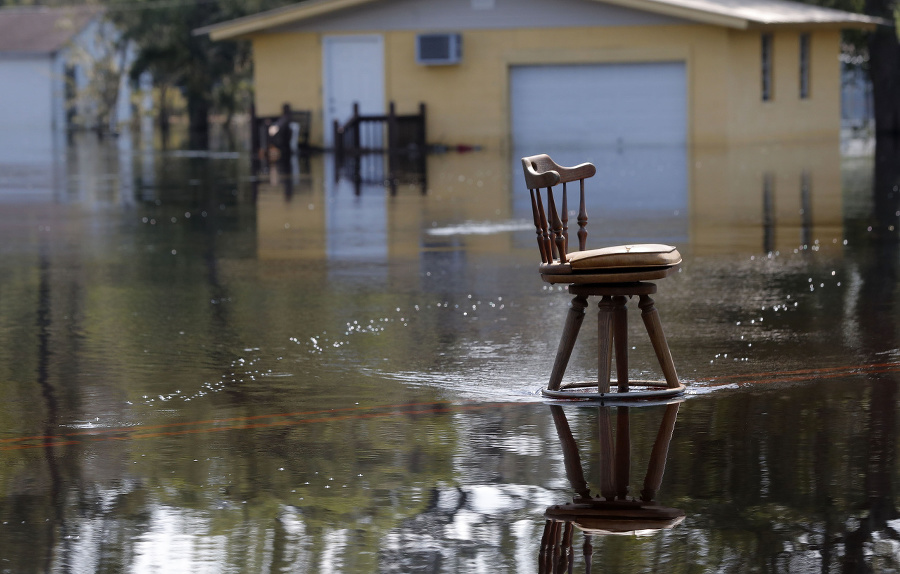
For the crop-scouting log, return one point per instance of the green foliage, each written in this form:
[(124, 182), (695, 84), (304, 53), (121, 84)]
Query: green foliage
[(104, 67), (209, 74), (857, 6), (854, 44), (897, 20)]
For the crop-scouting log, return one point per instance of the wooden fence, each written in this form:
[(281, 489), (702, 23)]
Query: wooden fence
[(400, 137), (268, 148), (366, 134)]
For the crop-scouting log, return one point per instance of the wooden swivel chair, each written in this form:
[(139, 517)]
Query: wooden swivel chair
[(614, 274)]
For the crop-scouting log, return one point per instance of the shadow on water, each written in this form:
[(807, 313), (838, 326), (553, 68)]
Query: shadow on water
[(204, 369)]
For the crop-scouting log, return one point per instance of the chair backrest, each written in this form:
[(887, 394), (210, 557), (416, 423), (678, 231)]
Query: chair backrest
[(553, 230)]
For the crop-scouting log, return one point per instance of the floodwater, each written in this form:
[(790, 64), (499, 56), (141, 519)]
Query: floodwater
[(205, 372)]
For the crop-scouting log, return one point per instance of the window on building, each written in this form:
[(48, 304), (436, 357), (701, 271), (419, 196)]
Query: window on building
[(804, 66), (766, 61), (769, 212)]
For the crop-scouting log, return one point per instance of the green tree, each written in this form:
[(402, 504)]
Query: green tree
[(105, 65), (207, 73), (884, 67), (880, 52)]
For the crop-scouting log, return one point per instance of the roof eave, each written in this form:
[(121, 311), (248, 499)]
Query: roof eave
[(248, 25), (32, 54), (280, 16), (840, 25), (667, 9)]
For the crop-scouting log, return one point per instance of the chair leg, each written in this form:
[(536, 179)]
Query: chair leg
[(574, 318), (571, 456), (604, 343), (658, 455), (588, 550), (620, 338), (623, 452), (654, 328), (607, 455)]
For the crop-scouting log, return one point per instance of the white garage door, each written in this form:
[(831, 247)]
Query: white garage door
[(604, 104), (630, 120)]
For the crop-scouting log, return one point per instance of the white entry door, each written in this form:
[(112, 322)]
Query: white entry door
[(353, 69)]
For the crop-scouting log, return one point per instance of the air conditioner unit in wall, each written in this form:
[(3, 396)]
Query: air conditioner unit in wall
[(438, 49)]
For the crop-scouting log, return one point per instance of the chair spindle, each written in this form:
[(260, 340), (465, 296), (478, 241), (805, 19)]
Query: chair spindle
[(582, 221), (565, 217), (545, 232), (559, 241), (537, 225)]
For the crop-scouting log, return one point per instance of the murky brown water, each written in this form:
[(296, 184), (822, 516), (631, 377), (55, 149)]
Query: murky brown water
[(203, 373)]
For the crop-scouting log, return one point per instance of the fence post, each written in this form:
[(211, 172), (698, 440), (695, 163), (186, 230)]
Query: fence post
[(354, 121), (338, 141), (255, 160), (254, 130), (392, 127), (423, 149), (422, 140), (392, 137)]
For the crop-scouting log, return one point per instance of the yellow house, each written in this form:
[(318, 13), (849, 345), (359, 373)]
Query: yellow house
[(508, 74)]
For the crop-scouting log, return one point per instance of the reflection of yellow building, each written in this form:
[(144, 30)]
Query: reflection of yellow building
[(320, 218), (290, 217), (738, 199), (769, 198), (736, 72)]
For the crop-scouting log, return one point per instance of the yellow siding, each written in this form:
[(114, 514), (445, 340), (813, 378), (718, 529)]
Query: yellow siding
[(287, 68), (468, 103), (725, 216), (727, 192), (785, 117), (290, 216)]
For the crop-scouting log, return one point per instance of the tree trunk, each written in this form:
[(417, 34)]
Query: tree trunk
[(884, 69), (886, 190), (163, 109), (198, 121)]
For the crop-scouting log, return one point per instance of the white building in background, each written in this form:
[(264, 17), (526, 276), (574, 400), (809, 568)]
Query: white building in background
[(50, 64), (51, 61)]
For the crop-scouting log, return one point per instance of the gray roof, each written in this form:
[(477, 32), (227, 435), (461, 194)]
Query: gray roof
[(41, 29), (768, 12), (740, 14)]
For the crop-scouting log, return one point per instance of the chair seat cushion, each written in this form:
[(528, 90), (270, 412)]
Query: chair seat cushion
[(624, 257)]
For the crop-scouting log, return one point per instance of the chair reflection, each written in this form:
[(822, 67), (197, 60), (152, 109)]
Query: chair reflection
[(613, 511)]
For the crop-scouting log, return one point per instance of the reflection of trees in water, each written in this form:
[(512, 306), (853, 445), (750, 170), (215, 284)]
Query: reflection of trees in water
[(788, 479), (876, 311), (784, 493), (79, 506), (482, 517), (807, 482), (57, 488)]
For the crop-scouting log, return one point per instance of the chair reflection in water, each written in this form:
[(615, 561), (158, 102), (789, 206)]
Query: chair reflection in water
[(614, 274), (613, 512)]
